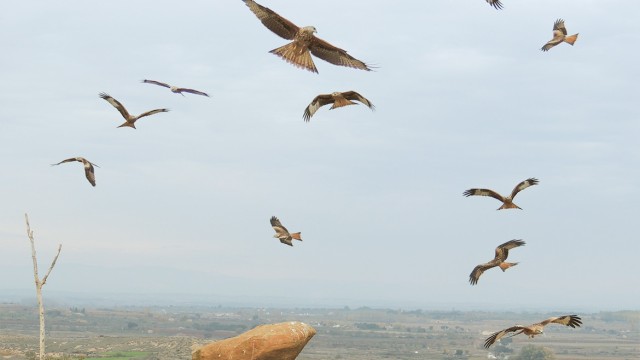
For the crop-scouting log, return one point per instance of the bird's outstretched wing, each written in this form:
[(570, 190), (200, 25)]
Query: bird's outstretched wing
[(192, 91), (352, 95), (484, 192), (151, 112), (89, 173), (498, 335), (502, 251), (335, 55), (478, 270), (567, 320), (278, 227), (66, 161), (156, 83), (495, 3), (274, 22), (317, 102), (523, 185), (115, 103), (559, 32)]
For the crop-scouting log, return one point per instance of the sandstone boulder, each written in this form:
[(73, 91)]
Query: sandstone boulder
[(283, 341)]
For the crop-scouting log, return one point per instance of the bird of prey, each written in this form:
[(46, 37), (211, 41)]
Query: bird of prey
[(559, 36), (297, 51), (175, 89), (338, 99), (282, 233), (88, 168), (502, 252), (495, 3), (507, 202), (534, 329), (129, 119)]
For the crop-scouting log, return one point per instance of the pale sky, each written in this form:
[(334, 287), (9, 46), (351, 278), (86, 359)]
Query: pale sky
[(464, 98)]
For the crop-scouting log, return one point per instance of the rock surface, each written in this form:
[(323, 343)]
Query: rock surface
[(282, 341)]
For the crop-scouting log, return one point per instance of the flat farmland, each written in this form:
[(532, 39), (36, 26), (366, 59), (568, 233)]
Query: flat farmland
[(171, 333)]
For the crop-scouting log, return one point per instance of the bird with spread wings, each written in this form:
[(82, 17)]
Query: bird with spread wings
[(297, 51), (282, 233), (175, 89), (534, 329), (88, 168), (129, 119), (507, 202), (502, 252), (495, 3), (559, 36), (338, 99)]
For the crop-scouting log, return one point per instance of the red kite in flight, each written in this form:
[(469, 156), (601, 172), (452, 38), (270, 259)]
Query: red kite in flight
[(507, 202), (282, 233), (129, 119), (535, 329), (495, 3), (88, 168), (175, 89), (502, 252), (338, 99), (297, 51), (559, 36)]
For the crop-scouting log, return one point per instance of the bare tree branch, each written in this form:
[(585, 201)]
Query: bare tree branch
[(53, 263)]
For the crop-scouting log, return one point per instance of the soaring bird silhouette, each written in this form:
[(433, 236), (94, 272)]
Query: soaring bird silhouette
[(129, 119), (175, 89), (507, 202), (502, 252), (297, 51), (338, 99), (88, 168), (559, 36), (534, 329), (282, 233)]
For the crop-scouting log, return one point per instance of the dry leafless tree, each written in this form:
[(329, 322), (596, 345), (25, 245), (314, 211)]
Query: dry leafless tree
[(40, 282)]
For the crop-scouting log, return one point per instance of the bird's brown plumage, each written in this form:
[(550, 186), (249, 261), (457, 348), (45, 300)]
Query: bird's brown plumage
[(534, 329), (175, 89), (501, 254), (338, 99), (559, 36), (88, 168), (129, 119), (304, 42), (282, 233), (507, 202)]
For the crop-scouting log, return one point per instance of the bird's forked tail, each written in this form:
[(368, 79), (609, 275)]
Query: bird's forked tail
[(505, 265), (296, 236), (296, 55), (571, 39)]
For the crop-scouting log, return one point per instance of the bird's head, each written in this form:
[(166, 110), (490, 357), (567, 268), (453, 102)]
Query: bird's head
[(336, 93), (309, 29)]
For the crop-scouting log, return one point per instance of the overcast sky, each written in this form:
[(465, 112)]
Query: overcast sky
[(464, 98)]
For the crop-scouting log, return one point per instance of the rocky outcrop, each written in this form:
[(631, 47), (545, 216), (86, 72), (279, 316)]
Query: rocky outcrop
[(283, 341)]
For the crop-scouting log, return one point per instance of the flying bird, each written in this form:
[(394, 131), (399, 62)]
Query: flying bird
[(282, 233), (534, 329), (559, 36), (495, 3), (175, 89), (297, 51), (129, 119), (338, 99), (507, 202), (502, 252), (88, 168)]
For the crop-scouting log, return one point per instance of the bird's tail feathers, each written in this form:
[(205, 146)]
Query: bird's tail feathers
[(296, 55), (132, 125), (296, 236), (571, 39), (505, 265), (509, 206)]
